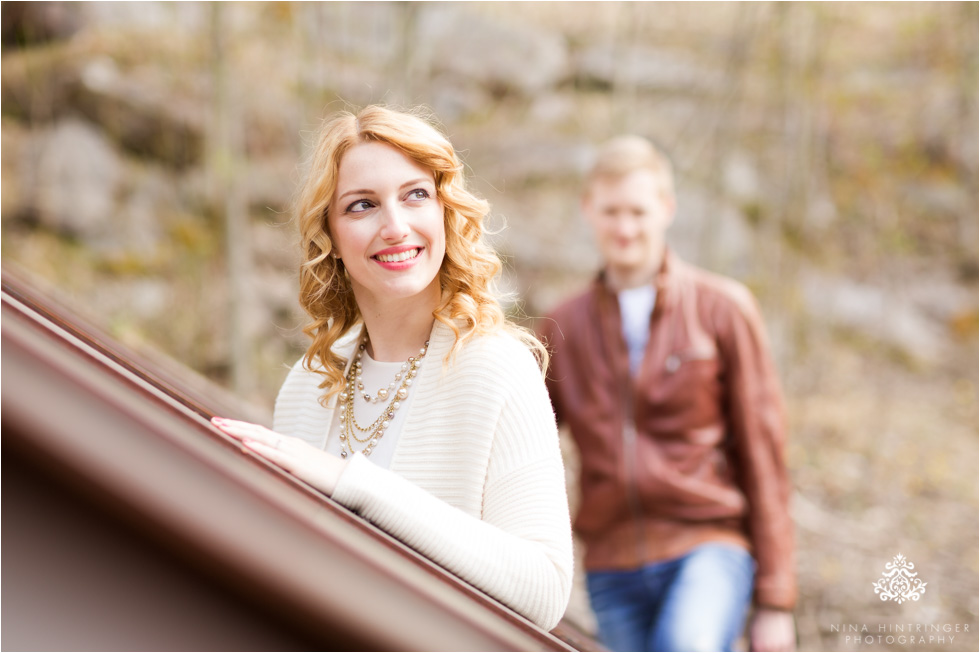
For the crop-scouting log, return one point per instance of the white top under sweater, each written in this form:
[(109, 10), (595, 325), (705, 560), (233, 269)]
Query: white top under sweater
[(376, 375), (476, 483)]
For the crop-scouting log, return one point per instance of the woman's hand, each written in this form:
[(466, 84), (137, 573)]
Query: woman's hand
[(306, 462)]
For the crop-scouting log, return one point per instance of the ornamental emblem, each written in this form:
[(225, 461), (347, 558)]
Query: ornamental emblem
[(899, 582)]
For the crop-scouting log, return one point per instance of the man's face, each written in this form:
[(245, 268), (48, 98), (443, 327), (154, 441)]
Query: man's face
[(629, 216)]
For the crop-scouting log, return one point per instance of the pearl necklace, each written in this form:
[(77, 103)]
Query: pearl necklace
[(350, 430)]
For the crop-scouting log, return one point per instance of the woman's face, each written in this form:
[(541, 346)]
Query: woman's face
[(387, 227)]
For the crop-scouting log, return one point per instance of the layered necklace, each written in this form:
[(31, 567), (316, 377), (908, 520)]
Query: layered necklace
[(396, 391)]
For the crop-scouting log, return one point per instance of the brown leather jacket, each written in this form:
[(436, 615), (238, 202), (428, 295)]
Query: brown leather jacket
[(691, 449)]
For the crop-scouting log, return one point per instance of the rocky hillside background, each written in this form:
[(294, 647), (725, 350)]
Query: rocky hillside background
[(826, 156)]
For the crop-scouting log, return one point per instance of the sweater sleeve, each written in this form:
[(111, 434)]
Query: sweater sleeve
[(519, 550)]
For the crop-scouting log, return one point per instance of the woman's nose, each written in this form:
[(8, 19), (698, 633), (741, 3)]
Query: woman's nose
[(395, 225)]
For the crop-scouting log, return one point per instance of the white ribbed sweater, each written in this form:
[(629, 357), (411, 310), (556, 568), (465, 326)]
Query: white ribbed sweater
[(476, 483)]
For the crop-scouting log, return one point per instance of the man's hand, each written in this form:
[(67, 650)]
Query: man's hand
[(772, 630)]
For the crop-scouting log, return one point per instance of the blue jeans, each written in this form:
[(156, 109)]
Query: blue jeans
[(697, 602)]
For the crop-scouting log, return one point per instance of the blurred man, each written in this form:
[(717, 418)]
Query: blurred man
[(662, 373)]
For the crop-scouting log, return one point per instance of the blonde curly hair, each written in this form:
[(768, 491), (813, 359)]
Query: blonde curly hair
[(469, 305)]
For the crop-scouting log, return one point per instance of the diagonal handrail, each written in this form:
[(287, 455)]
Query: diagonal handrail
[(135, 425)]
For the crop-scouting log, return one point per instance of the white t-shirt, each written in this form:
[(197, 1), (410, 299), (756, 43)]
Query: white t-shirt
[(375, 374), (635, 308)]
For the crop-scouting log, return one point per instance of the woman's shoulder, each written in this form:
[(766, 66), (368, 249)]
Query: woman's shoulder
[(303, 380), (300, 375), (343, 346), (503, 351), (299, 391)]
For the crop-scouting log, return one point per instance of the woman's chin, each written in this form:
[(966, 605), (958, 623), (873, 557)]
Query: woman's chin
[(424, 291)]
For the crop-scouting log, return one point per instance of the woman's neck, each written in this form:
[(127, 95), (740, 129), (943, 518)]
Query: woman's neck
[(398, 330)]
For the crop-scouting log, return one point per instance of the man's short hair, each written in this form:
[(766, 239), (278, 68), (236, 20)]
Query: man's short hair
[(624, 155)]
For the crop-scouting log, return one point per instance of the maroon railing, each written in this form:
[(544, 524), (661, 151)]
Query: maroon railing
[(132, 524)]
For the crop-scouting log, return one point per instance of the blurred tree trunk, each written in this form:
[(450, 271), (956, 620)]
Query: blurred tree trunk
[(626, 38), (714, 130), (225, 163), (798, 175), (965, 13), (410, 57)]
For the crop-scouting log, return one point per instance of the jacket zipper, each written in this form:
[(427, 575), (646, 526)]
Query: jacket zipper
[(629, 463), (630, 457), (629, 436)]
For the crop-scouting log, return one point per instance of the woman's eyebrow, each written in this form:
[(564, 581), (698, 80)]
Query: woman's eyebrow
[(420, 180), (368, 191), (357, 191)]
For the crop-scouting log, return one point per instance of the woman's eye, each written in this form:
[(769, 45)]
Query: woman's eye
[(419, 194), (358, 206)]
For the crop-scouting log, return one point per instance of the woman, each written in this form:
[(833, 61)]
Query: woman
[(417, 404)]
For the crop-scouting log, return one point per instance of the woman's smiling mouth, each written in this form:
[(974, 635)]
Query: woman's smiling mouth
[(398, 257)]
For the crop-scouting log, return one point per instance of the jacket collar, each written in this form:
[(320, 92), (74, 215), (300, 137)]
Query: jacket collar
[(665, 280), (609, 317)]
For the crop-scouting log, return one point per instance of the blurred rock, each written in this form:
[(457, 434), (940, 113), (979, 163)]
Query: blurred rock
[(135, 298), (277, 244), (501, 58), (147, 205), (369, 32), (15, 204), (457, 100), (938, 198), (821, 211), (143, 112), (710, 232), (553, 108), (939, 296), (273, 303), (271, 182), (880, 315), (38, 84), (610, 65), (267, 183), (30, 23), (741, 178), (75, 177), (187, 16), (71, 180), (531, 159)]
